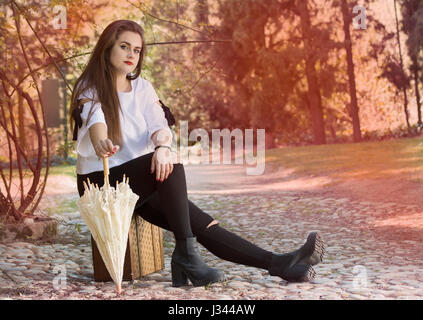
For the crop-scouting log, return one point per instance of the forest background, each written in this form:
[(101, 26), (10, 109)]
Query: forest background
[(300, 69)]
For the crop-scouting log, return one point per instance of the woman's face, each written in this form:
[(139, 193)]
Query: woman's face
[(125, 53)]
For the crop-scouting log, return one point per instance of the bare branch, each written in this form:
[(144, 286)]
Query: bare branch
[(203, 75), (33, 190), (185, 42), (167, 21), (42, 44)]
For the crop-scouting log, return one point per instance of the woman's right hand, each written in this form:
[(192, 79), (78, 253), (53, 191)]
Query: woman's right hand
[(105, 148)]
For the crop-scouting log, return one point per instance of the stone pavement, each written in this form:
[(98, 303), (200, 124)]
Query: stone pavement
[(373, 252)]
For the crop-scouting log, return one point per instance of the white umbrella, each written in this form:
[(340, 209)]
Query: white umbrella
[(107, 212)]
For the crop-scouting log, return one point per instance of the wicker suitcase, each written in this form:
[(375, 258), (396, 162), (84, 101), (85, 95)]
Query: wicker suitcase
[(144, 252)]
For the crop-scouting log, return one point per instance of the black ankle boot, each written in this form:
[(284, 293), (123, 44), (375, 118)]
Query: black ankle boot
[(187, 264), (296, 266), (281, 267), (311, 252)]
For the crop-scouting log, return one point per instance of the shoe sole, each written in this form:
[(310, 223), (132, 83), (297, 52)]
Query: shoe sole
[(315, 249), (206, 283), (180, 278), (310, 275), (300, 273)]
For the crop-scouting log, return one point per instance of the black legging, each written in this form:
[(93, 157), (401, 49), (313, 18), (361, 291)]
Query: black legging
[(166, 205)]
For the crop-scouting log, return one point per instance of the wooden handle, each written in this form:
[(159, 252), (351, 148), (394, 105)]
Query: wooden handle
[(106, 170)]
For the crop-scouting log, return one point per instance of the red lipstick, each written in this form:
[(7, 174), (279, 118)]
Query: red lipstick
[(129, 63)]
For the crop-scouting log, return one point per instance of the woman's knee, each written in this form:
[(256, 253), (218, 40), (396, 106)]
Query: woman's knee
[(178, 170), (178, 166), (212, 223)]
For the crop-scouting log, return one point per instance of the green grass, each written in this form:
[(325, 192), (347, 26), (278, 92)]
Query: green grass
[(400, 158), (62, 206), (366, 160), (64, 169), (68, 170)]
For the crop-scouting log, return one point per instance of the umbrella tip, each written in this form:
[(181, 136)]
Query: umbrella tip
[(118, 288)]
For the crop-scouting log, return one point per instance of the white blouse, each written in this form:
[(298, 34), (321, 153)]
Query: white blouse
[(142, 116)]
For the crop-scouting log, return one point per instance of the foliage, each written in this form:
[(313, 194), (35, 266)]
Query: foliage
[(258, 79), (254, 74), (31, 50), (387, 159), (393, 72)]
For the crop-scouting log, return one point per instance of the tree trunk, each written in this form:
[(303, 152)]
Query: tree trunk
[(21, 123), (351, 75), (201, 13), (416, 84), (402, 70), (311, 74)]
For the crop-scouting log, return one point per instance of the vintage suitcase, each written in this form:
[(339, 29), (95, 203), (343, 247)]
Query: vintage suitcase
[(144, 252)]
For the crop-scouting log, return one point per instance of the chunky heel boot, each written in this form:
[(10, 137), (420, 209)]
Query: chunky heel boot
[(187, 264), (296, 266), (179, 278), (311, 252), (281, 267)]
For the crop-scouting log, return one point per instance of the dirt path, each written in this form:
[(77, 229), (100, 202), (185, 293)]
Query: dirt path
[(233, 179), (362, 236), (223, 179)]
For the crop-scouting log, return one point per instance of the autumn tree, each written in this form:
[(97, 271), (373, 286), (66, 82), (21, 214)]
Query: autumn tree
[(347, 19), (288, 68), (404, 82), (32, 50), (411, 13)]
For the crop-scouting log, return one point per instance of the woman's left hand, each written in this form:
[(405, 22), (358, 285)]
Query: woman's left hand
[(162, 163)]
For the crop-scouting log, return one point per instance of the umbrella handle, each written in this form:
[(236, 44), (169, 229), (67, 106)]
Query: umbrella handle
[(106, 170)]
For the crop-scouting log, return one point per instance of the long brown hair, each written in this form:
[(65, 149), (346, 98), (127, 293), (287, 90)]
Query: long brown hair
[(99, 76)]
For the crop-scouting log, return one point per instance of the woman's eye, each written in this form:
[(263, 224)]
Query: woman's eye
[(123, 47), (137, 51)]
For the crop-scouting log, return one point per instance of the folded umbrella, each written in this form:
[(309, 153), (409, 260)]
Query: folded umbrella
[(107, 212)]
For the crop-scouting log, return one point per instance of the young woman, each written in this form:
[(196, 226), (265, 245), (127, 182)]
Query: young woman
[(118, 115)]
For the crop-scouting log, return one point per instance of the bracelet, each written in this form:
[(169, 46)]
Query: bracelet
[(162, 146)]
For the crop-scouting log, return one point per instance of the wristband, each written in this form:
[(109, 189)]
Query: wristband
[(162, 146)]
